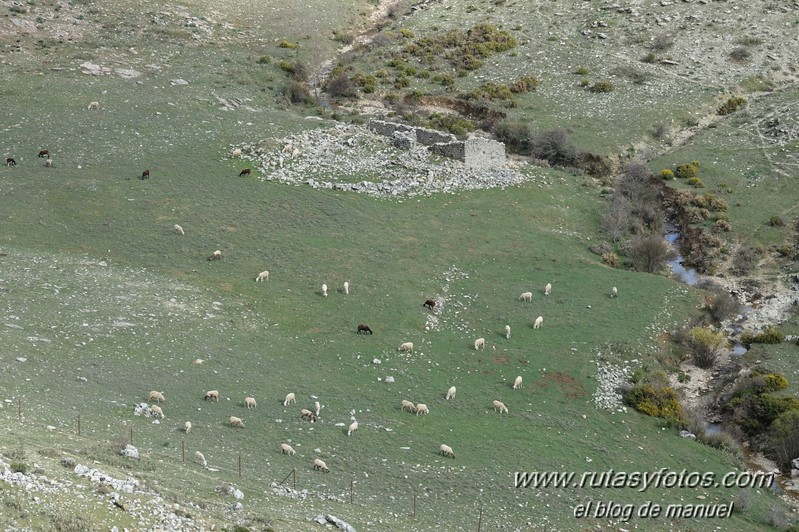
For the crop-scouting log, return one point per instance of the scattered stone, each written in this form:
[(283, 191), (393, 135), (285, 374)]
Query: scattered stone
[(130, 451), (389, 379)]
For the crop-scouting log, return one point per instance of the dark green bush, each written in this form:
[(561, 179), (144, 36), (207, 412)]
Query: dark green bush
[(731, 105), (696, 182), (776, 221), (516, 135), (341, 86), (655, 401), (667, 174), (296, 92), (686, 170), (555, 147), (601, 86), (264, 60)]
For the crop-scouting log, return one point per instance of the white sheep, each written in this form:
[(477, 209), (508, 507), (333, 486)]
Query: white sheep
[(539, 321), (317, 408), (507, 332), (517, 383), (155, 396), (346, 287), (446, 450), (526, 296), (179, 230), (352, 428), (200, 458), (216, 255), (249, 402), (500, 406), (295, 153), (406, 346), (236, 152), (289, 400), (480, 343), (320, 465), (93, 106), (451, 393), (48, 163), (324, 290), (285, 448), (156, 410), (187, 427), (263, 276), (407, 405), (236, 422), (614, 292), (307, 414), (421, 408), (212, 395), (288, 148), (548, 289)]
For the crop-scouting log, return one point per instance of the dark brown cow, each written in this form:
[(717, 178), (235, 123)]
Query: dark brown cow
[(246, 171), (44, 153), (429, 304), (363, 329), (145, 174), (11, 162)]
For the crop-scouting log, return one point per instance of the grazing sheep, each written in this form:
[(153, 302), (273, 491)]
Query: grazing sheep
[(288, 148), (431, 304), (48, 163), (614, 292), (236, 152), (200, 458), (324, 290), (517, 383), (407, 346), (263, 276), (10, 161), (155, 409), (246, 171), (539, 321), (526, 296), (363, 329), (179, 230), (212, 395), (500, 406), (451, 393), (421, 408), (295, 153), (187, 427), (548, 289), (216, 255), (44, 153), (145, 174), (507, 332), (353, 427), (307, 415), (317, 408), (155, 396), (285, 448), (93, 106), (407, 405), (289, 399), (236, 422), (480, 343), (446, 450), (249, 402), (320, 465), (347, 287)]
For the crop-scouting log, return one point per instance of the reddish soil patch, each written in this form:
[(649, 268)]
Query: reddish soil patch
[(523, 362), (488, 372), (500, 359), (570, 386)]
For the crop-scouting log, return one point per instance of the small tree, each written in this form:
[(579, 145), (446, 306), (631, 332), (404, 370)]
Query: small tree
[(706, 346), (555, 147), (649, 253), (784, 438)]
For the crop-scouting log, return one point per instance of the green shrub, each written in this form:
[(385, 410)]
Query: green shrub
[(584, 82), (649, 58), (705, 346), (516, 136), (740, 54), (408, 34), (601, 86), (655, 401), (776, 221), (696, 182), (611, 259), (722, 226), (731, 105), (285, 44), (667, 174), (341, 87), (685, 170), (775, 382), (18, 467), (296, 92), (525, 84), (401, 82), (264, 60), (581, 71)]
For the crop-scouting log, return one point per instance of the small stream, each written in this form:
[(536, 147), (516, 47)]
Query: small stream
[(687, 275)]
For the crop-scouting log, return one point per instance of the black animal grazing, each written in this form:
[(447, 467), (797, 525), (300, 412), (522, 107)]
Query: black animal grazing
[(11, 162), (145, 174), (363, 329), (429, 304), (44, 153), (246, 171)]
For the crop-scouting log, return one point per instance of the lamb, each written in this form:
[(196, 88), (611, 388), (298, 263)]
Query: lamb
[(548, 289), (480, 343), (308, 415), (249, 402), (446, 450), (353, 427), (407, 346), (500, 406), (179, 230), (212, 395), (200, 458), (526, 296), (407, 405), (289, 399), (346, 287), (451, 393), (421, 408), (48, 163), (216, 255), (614, 292), (263, 276), (517, 383), (155, 396), (236, 152), (236, 422), (317, 408), (187, 427), (539, 321), (507, 332), (93, 106), (156, 410), (320, 465), (324, 290), (285, 448)]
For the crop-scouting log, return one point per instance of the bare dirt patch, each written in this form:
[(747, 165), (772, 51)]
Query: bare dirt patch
[(569, 386)]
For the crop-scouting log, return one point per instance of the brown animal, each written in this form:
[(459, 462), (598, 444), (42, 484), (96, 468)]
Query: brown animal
[(429, 304), (363, 329), (11, 162), (44, 153), (145, 174), (246, 171)]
